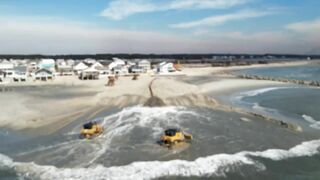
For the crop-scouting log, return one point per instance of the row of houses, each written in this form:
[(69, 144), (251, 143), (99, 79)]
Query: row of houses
[(48, 69)]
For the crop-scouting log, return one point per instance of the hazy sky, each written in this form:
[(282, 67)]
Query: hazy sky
[(159, 26)]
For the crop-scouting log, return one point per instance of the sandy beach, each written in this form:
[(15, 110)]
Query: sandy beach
[(55, 104)]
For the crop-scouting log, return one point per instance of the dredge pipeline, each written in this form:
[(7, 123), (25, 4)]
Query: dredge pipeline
[(284, 80), (153, 101)]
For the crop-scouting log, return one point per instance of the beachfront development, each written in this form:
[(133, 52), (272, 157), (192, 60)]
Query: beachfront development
[(87, 69)]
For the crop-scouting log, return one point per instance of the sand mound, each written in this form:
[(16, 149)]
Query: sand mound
[(154, 101)]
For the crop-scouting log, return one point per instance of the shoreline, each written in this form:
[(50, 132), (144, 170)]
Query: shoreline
[(36, 113)]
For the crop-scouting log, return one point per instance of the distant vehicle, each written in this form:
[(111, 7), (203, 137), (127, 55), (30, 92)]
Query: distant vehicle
[(91, 130), (172, 137)]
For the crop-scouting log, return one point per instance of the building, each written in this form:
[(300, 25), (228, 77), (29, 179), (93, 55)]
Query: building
[(120, 70), (63, 68), (80, 67), (145, 65), (89, 74), (20, 74), (1, 76), (43, 75), (119, 67), (116, 63), (6, 65), (32, 67), (166, 67), (70, 62), (89, 61), (97, 65), (48, 64), (136, 69)]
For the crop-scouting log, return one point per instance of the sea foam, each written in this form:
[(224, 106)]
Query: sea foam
[(259, 91), (215, 165), (313, 123)]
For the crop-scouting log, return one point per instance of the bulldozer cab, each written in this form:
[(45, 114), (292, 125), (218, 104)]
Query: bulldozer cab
[(88, 125), (171, 132)]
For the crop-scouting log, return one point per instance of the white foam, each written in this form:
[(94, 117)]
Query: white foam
[(313, 123), (257, 106), (5, 162), (215, 165), (115, 125), (258, 91)]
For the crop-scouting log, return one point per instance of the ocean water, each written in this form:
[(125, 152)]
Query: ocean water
[(224, 147), (294, 104), (306, 72)]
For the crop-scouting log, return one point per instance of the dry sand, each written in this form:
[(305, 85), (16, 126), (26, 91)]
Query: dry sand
[(21, 110)]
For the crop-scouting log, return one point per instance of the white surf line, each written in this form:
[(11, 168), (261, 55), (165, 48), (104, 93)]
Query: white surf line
[(215, 165), (313, 123)]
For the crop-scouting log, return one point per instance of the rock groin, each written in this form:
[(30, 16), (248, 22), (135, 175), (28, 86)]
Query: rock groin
[(284, 80)]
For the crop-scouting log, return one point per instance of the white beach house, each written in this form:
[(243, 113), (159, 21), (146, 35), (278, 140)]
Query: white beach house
[(80, 67), (32, 67), (63, 68), (20, 74), (119, 67), (43, 75), (116, 62), (166, 67), (90, 73), (6, 65), (136, 69), (48, 64), (1, 76), (97, 65), (145, 65)]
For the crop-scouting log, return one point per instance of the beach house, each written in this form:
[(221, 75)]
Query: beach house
[(90, 73), (89, 61), (103, 71), (48, 64), (119, 67), (116, 62), (136, 69), (20, 74), (145, 65), (166, 67), (43, 75), (97, 65), (80, 67), (6, 65), (70, 62), (63, 68), (32, 67)]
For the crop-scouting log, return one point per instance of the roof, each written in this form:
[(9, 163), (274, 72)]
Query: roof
[(20, 68), (97, 64), (144, 61), (49, 61), (43, 70), (90, 69), (80, 66)]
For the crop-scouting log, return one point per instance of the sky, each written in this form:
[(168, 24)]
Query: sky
[(159, 26)]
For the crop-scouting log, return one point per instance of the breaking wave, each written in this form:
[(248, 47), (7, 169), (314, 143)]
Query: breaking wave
[(215, 165), (313, 123), (258, 91)]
